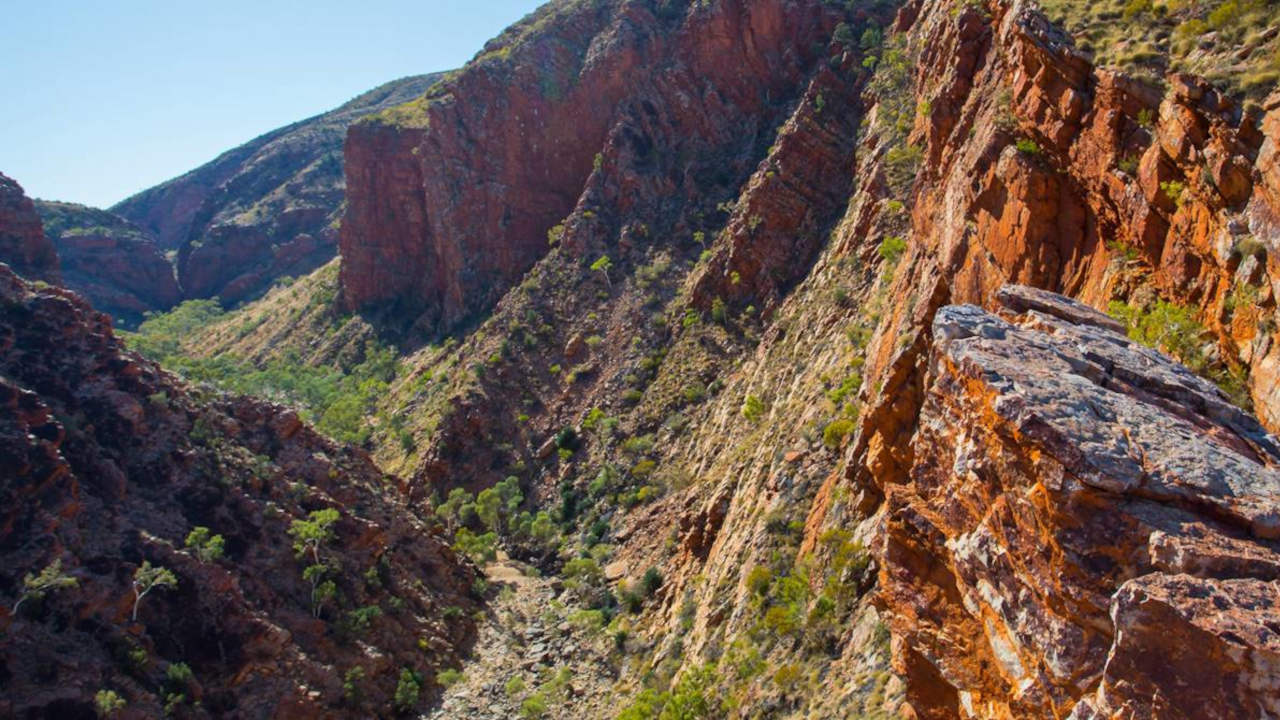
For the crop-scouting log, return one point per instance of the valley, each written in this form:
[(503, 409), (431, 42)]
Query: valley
[(677, 359)]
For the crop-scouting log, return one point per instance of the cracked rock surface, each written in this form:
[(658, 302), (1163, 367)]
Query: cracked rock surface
[(1088, 529)]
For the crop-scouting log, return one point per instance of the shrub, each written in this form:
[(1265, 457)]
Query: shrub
[(891, 248), (514, 686), (206, 546), (351, 682), (753, 408), (1174, 190), (651, 581), (834, 433), (178, 676), (407, 690), (448, 677), (362, 618), (533, 707), (1028, 146), (108, 703)]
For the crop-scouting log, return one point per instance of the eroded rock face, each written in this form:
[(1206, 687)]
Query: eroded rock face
[(106, 461), (264, 210), (451, 197), (1087, 530), (23, 245), (112, 262)]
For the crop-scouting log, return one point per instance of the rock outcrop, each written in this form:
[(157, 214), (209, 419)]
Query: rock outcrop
[(23, 245), (451, 197), (109, 260), (1088, 529), (107, 462), (264, 210)]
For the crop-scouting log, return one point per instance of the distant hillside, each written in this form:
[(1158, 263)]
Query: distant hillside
[(109, 260), (262, 210)]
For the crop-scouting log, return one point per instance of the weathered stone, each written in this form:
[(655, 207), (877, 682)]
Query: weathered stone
[(1087, 529)]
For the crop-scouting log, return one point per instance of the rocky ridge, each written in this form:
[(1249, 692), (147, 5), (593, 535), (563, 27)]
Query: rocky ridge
[(110, 463), (110, 261), (264, 210)]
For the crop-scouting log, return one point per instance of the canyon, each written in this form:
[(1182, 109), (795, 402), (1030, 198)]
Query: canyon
[(746, 358)]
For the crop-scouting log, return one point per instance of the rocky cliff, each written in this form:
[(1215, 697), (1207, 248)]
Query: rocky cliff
[(109, 464), (109, 260), (1087, 530), (23, 245), (266, 209), (452, 197)]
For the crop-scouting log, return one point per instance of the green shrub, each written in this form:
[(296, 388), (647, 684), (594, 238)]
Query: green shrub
[(753, 408), (448, 677), (1028, 146), (408, 689), (1174, 190), (834, 433), (206, 546), (891, 248), (351, 684), (108, 703)]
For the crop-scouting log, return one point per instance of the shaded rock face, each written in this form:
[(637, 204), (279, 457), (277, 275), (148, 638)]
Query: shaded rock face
[(108, 462), (23, 245), (264, 210), (1088, 529), (450, 198), (110, 261)]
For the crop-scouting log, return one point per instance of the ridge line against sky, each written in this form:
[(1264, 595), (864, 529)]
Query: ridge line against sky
[(107, 99)]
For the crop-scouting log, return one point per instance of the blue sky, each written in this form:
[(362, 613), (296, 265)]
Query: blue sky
[(103, 98)]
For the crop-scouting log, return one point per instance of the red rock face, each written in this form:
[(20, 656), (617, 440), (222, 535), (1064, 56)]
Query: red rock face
[(23, 245), (263, 210), (1087, 530), (450, 204), (110, 261), (109, 461)]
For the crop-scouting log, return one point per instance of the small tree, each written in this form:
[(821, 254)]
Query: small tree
[(310, 535), (206, 546), (35, 587), (603, 265), (147, 578)]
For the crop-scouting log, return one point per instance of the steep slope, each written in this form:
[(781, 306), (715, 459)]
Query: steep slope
[(109, 260), (23, 245), (110, 464), (451, 197), (266, 209)]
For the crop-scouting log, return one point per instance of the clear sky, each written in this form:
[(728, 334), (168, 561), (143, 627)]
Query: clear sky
[(103, 98)]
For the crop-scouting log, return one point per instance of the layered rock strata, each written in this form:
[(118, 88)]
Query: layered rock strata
[(1088, 530)]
